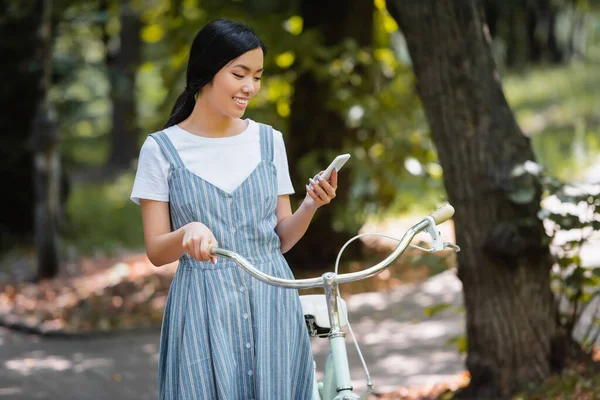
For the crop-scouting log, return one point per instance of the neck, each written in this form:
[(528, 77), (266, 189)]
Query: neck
[(208, 122)]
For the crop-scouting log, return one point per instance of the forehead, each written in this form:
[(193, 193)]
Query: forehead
[(252, 59)]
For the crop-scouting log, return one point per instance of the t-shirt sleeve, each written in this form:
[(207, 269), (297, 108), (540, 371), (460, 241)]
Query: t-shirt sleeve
[(284, 182), (152, 173)]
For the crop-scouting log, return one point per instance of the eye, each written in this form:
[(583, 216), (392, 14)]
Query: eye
[(257, 79), (237, 75)]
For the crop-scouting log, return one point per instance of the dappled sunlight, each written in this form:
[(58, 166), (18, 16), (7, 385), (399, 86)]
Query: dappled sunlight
[(399, 364), (38, 367), (401, 345), (27, 365), (375, 301), (36, 361), (10, 391)]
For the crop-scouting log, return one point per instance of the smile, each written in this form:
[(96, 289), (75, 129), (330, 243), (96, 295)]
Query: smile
[(240, 101)]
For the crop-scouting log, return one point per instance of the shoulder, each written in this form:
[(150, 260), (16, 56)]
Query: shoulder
[(277, 135), (150, 145), (152, 140), (151, 148)]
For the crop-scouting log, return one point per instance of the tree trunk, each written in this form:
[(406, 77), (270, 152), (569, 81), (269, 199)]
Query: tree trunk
[(315, 127), (534, 45), (19, 94), (512, 40), (541, 33), (47, 174), (513, 336), (555, 52), (122, 69)]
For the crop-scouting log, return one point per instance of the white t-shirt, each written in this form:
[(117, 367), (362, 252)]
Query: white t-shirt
[(224, 162)]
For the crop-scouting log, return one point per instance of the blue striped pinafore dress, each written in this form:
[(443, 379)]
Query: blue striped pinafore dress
[(226, 335)]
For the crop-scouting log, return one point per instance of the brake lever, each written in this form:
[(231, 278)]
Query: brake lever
[(452, 246), (436, 238)]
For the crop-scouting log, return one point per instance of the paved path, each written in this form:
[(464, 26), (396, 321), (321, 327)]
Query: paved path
[(402, 347), (120, 367)]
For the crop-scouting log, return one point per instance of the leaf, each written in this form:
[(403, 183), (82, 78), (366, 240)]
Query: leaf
[(294, 25), (152, 33), (437, 308), (285, 60), (523, 195), (576, 279), (568, 261), (460, 342)]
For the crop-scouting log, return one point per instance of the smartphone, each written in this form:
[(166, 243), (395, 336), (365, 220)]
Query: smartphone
[(338, 163)]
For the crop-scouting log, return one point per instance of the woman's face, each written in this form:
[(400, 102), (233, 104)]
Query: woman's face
[(235, 84)]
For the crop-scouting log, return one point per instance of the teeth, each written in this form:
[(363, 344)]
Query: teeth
[(241, 101)]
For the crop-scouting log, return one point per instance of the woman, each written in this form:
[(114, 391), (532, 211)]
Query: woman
[(212, 178)]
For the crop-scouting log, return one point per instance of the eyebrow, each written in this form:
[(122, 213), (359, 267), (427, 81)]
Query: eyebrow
[(245, 68)]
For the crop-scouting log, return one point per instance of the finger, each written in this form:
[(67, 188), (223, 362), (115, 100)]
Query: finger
[(329, 190), (320, 192), (186, 246), (196, 243), (313, 196), (190, 248), (213, 243), (314, 184), (333, 180), (204, 249)]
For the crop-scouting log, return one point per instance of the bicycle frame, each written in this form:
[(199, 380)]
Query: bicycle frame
[(336, 383)]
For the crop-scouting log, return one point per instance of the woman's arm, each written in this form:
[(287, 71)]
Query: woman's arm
[(291, 227), (164, 246)]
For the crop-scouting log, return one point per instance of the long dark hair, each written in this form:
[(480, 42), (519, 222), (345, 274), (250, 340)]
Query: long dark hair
[(215, 45)]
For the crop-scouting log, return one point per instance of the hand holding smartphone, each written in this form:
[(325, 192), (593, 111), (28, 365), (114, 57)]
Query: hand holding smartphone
[(336, 164), (320, 189)]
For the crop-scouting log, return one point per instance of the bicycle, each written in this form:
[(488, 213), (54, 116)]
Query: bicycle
[(326, 314)]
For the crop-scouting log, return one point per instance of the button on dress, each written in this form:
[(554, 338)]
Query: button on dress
[(226, 335)]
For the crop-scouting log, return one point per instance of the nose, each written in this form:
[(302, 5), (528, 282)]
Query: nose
[(248, 89)]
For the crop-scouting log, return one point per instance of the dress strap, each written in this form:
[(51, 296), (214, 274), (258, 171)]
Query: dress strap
[(168, 149), (266, 142)]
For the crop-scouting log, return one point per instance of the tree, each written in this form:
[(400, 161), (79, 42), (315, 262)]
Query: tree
[(513, 335), (122, 65), (17, 114), (44, 142), (29, 155), (314, 125)]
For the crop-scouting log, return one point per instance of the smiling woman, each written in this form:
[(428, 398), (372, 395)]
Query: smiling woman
[(212, 178)]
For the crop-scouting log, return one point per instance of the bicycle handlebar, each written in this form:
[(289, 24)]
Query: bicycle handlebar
[(442, 214), (439, 216)]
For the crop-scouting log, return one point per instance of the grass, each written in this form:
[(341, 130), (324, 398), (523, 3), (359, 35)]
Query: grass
[(570, 91), (102, 217), (559, 108)]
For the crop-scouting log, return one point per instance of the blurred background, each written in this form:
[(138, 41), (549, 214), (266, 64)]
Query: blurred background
[(83, 82)]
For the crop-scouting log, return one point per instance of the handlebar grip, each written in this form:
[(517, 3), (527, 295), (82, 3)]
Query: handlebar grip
[(442, 214)]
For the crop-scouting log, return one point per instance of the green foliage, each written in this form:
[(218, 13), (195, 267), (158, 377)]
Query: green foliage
[(572, 218), (101, 216), (460, 342), (560, 117), (394, 168), (440, 307), (570, 384)]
